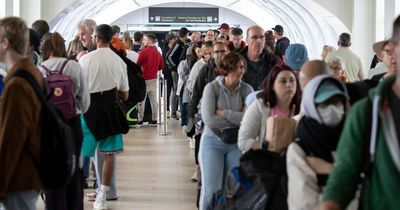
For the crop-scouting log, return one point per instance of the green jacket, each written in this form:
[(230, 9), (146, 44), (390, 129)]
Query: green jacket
[(384, 188)]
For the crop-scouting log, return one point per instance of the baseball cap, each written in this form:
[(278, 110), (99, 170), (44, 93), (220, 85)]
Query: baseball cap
[(224, 26), (278, 28), (296, 55), (327, 89)]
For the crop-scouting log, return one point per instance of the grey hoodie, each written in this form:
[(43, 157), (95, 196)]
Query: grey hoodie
[(217, 96), (308, 105)]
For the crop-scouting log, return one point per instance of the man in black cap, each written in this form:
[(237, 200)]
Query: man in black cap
[(281, 42)]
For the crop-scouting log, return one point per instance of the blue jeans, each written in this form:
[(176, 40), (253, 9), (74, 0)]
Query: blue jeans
[(23, 200), (216, 159)]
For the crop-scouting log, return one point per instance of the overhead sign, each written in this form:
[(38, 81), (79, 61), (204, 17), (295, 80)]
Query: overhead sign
[(183, 15)]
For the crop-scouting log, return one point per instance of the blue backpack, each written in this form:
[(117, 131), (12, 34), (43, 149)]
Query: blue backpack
[(258, 183)]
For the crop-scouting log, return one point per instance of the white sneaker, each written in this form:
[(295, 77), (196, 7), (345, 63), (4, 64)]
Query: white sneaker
[(100, 202), (192, 143), (184, 129)]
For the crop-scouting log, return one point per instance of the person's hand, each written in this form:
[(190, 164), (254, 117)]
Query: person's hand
[(219, 112), (319, 165), (80, 54), (329, 205)]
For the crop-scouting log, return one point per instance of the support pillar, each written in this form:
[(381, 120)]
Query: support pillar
[(363, 31)]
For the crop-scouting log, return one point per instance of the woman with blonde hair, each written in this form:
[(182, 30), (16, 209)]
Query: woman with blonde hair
[(325, 52)]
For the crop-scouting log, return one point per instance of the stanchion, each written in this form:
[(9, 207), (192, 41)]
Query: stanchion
[(159, 85), (164, 129)]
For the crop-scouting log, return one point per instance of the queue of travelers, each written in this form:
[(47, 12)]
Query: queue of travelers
[(333, 132)]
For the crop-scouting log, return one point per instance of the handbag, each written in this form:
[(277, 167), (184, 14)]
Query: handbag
[(279, 133), (228, 135)]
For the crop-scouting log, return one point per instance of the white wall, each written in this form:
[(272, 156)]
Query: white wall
[(50, 8), (343, 9)]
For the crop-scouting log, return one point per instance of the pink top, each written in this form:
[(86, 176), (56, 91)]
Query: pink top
[(275, 112)]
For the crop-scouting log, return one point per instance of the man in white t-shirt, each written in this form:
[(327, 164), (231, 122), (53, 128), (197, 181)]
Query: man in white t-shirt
[(107, 80), (353, 71)]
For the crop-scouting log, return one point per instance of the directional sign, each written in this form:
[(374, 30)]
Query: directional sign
[(183, 15)]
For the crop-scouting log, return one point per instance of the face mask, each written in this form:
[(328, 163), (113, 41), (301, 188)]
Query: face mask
[(332, 115)]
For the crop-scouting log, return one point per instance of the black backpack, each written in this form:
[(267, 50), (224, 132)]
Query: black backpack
[(137, 85), (259, 183), (57, 161)]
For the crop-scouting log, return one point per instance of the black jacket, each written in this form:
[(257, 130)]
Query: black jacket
[(255, 76), (173, 55), (281, 46), (207, 74)]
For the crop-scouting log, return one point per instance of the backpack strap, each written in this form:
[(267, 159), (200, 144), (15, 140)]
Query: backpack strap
[(369, 142), (48, 71), (63, 66)]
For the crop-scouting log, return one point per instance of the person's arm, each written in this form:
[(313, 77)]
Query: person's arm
[(194, 74), (319, 165), (303, 190), (82, 93), (360, 71), (329, 205), (345, 177), (140, 58), (250, 128), (236, 117), (123, 88), (16, 110), (174, 53), (123, 95), (197, 93), (208, 109), (161, 65)]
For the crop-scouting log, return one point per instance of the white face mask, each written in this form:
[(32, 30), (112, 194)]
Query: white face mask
[(332, 115)]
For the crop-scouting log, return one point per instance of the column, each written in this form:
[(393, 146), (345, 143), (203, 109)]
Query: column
[(390, 15), (6, 8), (363, 31), (30, 11)]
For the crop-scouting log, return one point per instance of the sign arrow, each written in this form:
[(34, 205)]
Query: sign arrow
[(215, 19), (151, 18)]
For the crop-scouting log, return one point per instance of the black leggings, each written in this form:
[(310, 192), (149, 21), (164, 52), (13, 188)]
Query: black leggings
[(197, 148), (69, 197)]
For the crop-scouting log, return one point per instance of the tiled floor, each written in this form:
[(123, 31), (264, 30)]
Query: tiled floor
[(153, 172)]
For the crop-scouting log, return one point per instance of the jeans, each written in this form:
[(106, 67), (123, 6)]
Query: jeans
[(151, 91), (23, 200), (173, 97), (216, 159)]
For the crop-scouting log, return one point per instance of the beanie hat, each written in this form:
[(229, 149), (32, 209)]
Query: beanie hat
[(296, 55)]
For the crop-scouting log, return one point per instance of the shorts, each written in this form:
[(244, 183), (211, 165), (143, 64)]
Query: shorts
[(111, 145)]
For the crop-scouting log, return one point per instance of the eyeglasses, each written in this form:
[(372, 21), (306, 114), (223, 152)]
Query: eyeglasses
[(255, 37), (219, 51)]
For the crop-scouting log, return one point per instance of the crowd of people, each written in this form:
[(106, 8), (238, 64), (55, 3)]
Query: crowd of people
[(336, 128)]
